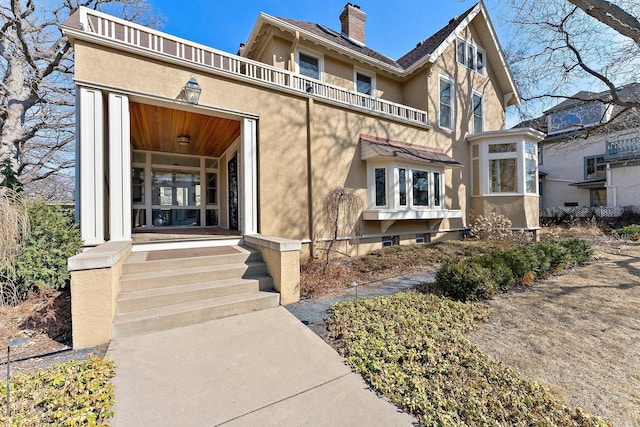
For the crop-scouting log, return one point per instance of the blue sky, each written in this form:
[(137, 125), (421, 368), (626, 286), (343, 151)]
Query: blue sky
[(392, 28)]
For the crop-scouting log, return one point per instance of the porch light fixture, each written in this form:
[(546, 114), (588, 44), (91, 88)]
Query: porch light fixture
[(184, 140), (192, 91)]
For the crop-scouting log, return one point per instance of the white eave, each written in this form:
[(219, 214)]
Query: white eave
[(529, 133)]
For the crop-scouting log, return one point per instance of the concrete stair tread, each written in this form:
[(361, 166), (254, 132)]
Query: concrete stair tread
[(168, 290), (150, 275), (170, 310)]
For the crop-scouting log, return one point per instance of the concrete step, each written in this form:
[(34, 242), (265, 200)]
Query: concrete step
[(128, 302), (138, 262), (188, 313), (184, 276)]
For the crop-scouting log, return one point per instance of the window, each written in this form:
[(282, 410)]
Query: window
[(598, 197), (402, 190), (446, 104), (540, 156), (470, 55), (594, 167), (420, 181), (503, 168), (531, 168), (381, 186), (309, 66), (477, 113), (579, 116), (436, 189), (364, 84)]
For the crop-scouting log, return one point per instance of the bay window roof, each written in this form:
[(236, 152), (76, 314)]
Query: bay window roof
[(375, 148)]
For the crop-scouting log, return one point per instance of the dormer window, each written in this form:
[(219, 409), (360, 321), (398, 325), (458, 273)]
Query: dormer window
[(470, 55), (576, 117)]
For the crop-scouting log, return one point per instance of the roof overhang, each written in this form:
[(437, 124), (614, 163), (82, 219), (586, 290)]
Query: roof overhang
[(531, 134), (591, 185), (375, 148)]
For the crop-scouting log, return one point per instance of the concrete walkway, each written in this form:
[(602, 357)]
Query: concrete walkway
[(259, 369)]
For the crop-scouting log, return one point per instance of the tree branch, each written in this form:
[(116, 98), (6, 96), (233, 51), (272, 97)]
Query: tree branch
[(611, 15)]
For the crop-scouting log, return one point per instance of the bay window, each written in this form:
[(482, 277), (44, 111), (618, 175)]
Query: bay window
[(408, 187)]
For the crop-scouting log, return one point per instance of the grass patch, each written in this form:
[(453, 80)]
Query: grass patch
[(411, 348), (72, 393)]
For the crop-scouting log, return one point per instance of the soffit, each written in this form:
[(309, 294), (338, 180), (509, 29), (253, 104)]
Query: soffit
[(156, 128)]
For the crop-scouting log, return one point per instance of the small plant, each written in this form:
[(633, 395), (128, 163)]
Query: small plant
[(8, 177), (631, 232), (493, 227), (14, 228), (341, 208)]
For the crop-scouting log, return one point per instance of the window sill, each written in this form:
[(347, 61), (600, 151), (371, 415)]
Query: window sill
[(387, 214)]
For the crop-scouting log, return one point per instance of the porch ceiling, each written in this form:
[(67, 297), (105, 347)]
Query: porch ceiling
[(156, 128)]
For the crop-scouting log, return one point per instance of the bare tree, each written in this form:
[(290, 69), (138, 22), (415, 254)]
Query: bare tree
[(37, 123), (560, 47), (341, 208)]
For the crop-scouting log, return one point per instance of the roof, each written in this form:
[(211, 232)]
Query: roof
[(396, 149), (428, 47), (336, 37)]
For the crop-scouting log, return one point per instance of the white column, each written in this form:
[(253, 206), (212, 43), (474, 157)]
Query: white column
[(248, 209), (90, 168), (119, 168)]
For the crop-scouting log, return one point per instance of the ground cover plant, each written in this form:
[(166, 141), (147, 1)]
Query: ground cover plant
[(483, 276), (631, 232), (411, 348), (72, 394)]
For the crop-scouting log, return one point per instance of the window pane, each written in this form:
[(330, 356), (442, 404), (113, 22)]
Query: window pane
[(137, 185), (480, 62), (596, 168), (470, 57), (477, 113), (212, 188), (420, 188), (363, 84), (139, 218), (175, 188), (460, 51), (212, 217), (309, 66), (381, 187), (475, 151), (175, 217), (445, 104), (532, 175), (598, 197), (436, 189), (503, 175), (168, 159), (502, 148), (402, 174)]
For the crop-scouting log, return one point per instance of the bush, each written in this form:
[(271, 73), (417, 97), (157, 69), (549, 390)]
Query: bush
[(44, 253), (466, 281), (482, 276), (631, 232)]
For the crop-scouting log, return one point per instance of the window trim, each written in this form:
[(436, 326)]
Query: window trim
[(392, 187), (596, 164), (452, 111), (312, 54)]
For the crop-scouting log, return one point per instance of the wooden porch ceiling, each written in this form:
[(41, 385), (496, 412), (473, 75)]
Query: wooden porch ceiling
[(156, 128)]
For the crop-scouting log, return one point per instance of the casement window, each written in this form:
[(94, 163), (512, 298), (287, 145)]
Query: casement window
[(577, 117), (404, 187), (446, 103), (504, 168), (478, 119), (594, 168), (470, 55), (309, 65)]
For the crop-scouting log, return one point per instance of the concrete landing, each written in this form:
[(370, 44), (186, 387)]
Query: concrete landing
[(258, 369)]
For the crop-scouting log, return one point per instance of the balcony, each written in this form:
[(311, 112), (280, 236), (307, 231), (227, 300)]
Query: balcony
[(120, 34), (623, 149)]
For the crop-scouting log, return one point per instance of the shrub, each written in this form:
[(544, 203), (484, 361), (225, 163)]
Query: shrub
[(14, 227), (480, 277), (466, 281), (44, 253), (631, 232), (493, 227)]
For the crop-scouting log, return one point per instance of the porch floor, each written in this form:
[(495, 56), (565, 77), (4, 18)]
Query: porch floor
[(208, 233)]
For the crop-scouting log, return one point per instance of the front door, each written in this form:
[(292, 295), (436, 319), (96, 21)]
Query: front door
[(233, 192)]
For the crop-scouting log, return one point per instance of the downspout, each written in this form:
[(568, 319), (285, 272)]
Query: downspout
[(310, 218), (292, 53)]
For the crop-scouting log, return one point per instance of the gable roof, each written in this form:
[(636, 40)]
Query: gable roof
[(425, 52)]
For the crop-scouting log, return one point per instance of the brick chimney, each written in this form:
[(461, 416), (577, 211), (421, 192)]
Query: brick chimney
[(352, 20)]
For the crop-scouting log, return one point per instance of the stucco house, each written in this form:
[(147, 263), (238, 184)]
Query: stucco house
[(584, 163), (178, 137)]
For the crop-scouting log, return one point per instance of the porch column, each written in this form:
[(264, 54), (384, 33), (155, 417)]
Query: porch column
[(248, 212), (119, 168), (90, 167)]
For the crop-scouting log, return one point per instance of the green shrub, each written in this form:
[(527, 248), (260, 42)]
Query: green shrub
[(631, 232), (481, 276), (44, 253), (466, 280)]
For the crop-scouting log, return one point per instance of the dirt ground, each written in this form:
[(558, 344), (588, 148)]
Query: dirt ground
[(578, 333)]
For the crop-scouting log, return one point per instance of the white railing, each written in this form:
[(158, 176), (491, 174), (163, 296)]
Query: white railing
[(629, 147), (121, 31)]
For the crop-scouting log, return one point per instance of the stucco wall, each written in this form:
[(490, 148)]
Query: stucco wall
[(626, 180), (523, 211)]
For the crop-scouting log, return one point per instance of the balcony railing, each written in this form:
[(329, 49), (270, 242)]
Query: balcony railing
[(146, 39), (623, 149)]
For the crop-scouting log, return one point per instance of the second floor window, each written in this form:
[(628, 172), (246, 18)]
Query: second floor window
[(477, 113), (309, 66), (364, 84), (446, 106), (594, 167)]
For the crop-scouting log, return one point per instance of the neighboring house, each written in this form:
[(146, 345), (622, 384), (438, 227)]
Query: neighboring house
[(585, 163)]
